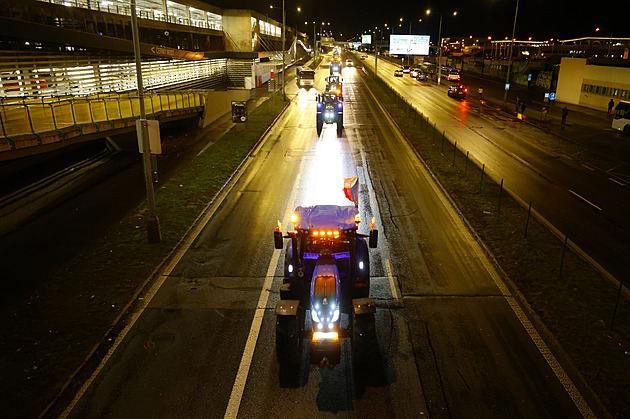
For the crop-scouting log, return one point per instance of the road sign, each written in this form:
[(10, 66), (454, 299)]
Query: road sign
[(552, 96), (239, 111), (507, 86)]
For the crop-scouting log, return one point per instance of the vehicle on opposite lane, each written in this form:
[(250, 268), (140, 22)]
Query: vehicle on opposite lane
[(398, 73), (458, 91)]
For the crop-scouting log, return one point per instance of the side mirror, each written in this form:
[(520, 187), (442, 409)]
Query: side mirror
[(373, 239), (277, 239)]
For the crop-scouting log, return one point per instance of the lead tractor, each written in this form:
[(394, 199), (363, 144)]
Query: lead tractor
[(327, 275)]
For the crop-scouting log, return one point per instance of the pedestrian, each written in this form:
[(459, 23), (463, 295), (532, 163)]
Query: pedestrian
[(518, 104), (480, 92), (611, 105), (565, 112), (523, 107)]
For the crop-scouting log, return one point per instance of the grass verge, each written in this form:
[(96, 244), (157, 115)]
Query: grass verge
[(46, 338), (316, 62), (574, 301)]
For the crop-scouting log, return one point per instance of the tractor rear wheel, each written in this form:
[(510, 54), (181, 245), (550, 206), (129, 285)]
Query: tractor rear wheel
[(364, 342)]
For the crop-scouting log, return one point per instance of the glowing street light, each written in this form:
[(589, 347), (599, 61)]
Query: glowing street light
[(439, 75)]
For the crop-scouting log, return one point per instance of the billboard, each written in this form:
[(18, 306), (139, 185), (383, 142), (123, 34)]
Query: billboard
[(366, 39), (409, 45)]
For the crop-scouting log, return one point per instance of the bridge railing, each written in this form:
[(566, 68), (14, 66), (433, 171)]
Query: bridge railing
[(38, 116)]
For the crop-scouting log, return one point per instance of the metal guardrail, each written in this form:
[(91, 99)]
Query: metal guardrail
[(100, 112), (198, 18)]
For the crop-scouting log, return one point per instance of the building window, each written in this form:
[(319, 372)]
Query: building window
[(605, 91), (596, 90)]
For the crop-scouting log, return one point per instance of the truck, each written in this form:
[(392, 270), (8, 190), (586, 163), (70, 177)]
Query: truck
[(329, 111), (305, 78), (326, 272)]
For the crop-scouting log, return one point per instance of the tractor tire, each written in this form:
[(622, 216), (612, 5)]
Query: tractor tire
[(364, 343), (320, 125), (288, 342)]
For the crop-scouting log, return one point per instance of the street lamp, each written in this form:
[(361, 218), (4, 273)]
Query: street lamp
[(410, 23), (507, 76), (284, 35), (439, 75)]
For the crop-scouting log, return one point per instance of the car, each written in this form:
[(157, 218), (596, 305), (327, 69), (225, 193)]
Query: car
[(458, 90), (363, 57), (405, 68), (398, 73), (422, 76), (414, 72), (349, 63)]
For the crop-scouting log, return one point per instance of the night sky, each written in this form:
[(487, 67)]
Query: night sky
[(540, 19)]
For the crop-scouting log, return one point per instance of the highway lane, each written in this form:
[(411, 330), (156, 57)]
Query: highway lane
[(587, 204), (457, 348)]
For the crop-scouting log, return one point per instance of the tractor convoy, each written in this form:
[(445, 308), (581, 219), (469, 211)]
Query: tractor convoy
[(326, 273)]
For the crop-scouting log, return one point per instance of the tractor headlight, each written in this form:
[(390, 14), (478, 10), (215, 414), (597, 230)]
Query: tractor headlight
[(360, 265), (314, 316), (290, 269), (335, 316)]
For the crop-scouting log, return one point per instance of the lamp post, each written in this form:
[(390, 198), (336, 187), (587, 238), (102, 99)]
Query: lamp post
[(314, 39), (507, 76), (284, 36), (153, 224), (410, 23), (439, 70)]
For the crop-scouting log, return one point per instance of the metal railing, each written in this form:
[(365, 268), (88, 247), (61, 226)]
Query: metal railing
[(108, 6), (39, 116)]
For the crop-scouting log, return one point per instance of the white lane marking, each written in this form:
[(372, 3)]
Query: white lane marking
[(542, 347), (248, 353), (584, 199), (392, 285), (588, 167), (182, 248)]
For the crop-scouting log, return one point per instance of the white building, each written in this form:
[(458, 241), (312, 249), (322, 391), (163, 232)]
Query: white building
[(592, 85)]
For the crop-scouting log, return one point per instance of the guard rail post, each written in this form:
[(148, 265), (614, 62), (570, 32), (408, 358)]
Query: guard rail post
[(4, 131), (30, 121)]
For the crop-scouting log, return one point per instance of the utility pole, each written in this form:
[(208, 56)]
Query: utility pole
[(314, 39), (439, 69), (375, 56), (509, 69), (284, 97), (153, 224)]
